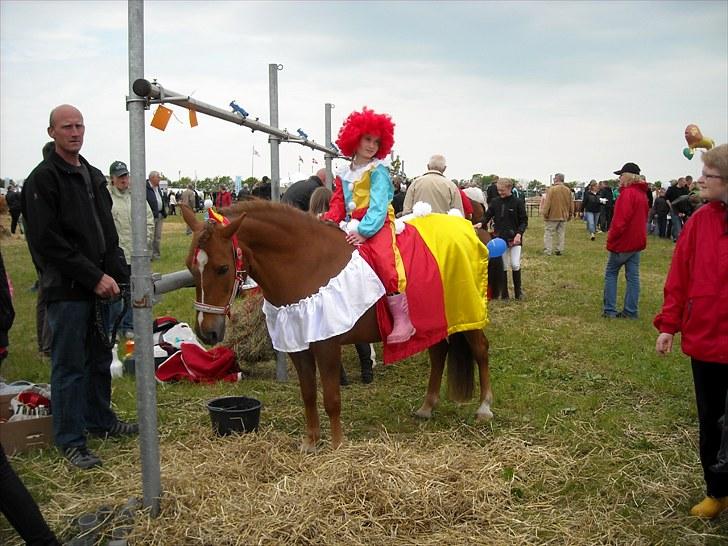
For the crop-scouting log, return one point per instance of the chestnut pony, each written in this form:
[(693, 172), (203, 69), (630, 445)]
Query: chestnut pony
[(291, 255)]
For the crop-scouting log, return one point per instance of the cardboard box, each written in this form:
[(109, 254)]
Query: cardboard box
[(26, 435)]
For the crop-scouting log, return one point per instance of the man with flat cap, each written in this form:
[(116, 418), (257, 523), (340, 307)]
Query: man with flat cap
[(72, 233), (626, 239)]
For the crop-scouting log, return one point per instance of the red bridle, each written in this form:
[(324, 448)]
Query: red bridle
[(241, 274)]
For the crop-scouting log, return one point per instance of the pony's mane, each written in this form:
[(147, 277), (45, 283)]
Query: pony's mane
[(204, 237), (268, 211)]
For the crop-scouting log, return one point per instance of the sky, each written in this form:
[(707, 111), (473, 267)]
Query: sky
[(518, 89)]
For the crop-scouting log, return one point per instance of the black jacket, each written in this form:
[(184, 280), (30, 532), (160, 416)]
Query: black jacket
[(152, 200), (63, 233), (661, 208), (590, 202), (606, 193), (299, 194), (13, 200), (7, 314), (508, 215)]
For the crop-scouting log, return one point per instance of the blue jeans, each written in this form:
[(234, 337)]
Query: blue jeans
[(592, 219), (631, 263), (676, 225), (80, 376), (111, 311)]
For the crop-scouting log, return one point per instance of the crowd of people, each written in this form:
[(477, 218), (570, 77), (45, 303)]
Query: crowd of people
[(78, 230)]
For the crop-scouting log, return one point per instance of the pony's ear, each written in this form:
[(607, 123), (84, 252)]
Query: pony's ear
[(232, 228), (190, 219)]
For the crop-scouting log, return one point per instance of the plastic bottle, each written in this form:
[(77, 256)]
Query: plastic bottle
[(129, 364), (116, 368)]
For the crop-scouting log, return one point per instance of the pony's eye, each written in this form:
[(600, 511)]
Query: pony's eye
[(222, 270)]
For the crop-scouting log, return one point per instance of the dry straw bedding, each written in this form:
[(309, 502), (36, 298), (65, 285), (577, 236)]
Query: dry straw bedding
[(464, 486)]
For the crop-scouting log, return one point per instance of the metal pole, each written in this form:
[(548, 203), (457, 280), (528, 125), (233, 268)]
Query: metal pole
[(275, 180), (141, 278), (159, 94), (328, 157)]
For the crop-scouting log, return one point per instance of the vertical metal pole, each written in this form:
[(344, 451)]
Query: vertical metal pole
[(328, 157), (141, 278), (275, 181)]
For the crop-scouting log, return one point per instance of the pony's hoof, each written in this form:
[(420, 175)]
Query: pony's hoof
[(308, 447), (423, 414), (484, 416)]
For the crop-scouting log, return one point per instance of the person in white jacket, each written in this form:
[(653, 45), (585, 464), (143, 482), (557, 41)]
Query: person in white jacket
[(121, 212)]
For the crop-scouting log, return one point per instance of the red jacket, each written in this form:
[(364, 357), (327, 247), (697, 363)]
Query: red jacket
[(224, 199), (696, 289), (628, 230)]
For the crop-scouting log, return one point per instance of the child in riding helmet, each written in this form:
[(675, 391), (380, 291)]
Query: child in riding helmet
[(363, 194)]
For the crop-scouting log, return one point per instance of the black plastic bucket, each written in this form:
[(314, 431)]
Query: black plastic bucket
[(234, 414)]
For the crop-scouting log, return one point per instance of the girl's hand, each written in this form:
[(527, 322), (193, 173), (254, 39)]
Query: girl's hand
[(355, 239), (664, 344)]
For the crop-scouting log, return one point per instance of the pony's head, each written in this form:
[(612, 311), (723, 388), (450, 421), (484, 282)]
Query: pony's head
[(215, 261)]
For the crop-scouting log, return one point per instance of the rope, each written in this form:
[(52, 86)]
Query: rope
[(98, 318)]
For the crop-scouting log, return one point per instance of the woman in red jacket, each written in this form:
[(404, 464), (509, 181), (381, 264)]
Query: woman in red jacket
[(696, 305), (626, 240)]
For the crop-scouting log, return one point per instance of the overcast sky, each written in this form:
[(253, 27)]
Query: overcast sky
[(520, 89)]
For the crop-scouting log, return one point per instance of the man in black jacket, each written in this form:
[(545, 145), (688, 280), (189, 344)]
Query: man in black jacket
[(13, 200), (606, 199), (158, 203), (71, 231), (299, 193)]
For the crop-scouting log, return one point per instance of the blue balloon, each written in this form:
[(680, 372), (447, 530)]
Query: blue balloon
[(496, 247)]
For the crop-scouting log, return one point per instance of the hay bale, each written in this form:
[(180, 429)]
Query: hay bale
[(247, 333)]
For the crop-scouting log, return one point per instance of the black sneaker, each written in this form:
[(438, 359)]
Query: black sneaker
[(81, 457), (119, 429), (558, 253)]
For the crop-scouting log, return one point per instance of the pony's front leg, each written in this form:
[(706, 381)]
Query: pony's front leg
[(328, 357), (479, 346), (306, 369), (438, 354)]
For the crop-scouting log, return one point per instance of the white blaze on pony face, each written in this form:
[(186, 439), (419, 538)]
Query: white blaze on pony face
[(201, 263)]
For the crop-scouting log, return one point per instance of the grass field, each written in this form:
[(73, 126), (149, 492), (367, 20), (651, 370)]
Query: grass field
[(593, 441)]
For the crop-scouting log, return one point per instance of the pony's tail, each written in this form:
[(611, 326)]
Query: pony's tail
[(460, 369)]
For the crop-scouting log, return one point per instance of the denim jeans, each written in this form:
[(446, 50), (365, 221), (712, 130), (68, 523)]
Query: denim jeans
[(631, 263), (592, 219), (676, 225), (111, 311), (80, 376)]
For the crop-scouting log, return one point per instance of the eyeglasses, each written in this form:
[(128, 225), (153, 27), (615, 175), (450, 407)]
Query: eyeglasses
[(712, 176)]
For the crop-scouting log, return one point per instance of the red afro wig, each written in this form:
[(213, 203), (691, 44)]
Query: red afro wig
[(366, 122)]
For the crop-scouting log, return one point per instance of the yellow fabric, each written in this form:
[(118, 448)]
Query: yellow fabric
[(398, 263), (362, 189), (463, 263)]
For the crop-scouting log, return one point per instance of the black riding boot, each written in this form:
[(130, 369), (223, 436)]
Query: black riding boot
[(504, 285), (495, 266), (364, 351), (517, 292)]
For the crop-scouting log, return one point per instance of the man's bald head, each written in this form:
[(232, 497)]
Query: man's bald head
[(66, 128), (60, 110), (321, 173)]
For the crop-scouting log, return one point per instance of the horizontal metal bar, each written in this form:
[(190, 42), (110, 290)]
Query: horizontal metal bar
[(145, 88), (172, 281)]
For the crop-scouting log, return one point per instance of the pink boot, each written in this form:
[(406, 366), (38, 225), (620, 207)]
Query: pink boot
[(402, 329)]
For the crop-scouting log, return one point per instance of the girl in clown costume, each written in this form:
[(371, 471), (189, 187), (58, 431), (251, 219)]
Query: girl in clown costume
[(363, 194)]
